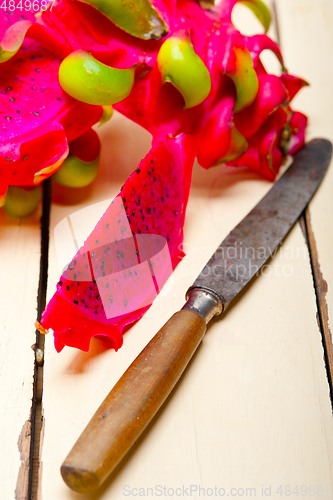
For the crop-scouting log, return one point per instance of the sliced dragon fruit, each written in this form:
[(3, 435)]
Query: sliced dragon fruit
[(37, 118), (110, 283)]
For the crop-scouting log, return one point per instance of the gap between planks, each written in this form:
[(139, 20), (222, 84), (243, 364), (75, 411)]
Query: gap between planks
[(320, 285), (37, 421)]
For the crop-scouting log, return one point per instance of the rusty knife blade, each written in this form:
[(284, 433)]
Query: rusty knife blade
[(250, 244)]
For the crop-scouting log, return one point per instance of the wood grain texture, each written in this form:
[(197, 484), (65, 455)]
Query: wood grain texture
[(133, 402), (19, 271), (253, 408)]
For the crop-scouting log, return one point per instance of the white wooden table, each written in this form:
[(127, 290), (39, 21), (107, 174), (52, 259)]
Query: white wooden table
[(252, 413)]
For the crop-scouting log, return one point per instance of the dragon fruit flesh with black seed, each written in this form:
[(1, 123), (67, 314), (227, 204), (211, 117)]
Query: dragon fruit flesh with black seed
[(115, 276), (180, 69)]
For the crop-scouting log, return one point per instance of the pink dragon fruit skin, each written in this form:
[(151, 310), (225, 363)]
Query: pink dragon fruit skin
[(153, 202), (241, 123), (38, 120)]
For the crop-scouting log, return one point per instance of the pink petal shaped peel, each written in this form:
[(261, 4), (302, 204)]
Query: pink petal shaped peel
[(152, 202)]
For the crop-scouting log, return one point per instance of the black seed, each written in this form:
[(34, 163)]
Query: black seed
[(76, 302), (86, 306), (143, 217), (138, 170), (149, 210), (96, 312), (60, 283), (124, 200), (125, 303), (107, 226), (71, 268), (125, 207), (133, 213), (74, 262), (36, 113), (78, 283), (139, 231), (58, 99), (38, 70), (107, 285), (8, 117), (83, 301), (96, 242), (149, 173), (33, 88), (162, 199), (154, 179), (168, 238), (92, 255), (91, 288), (176, 213), (106, 251), (103, 274), (147, 228), (94, 281), (103, 260), (9, 88), (18, 111), (12, 99), (151, 161), (75, 276), (129, 220), (98, 297), (68, 287)]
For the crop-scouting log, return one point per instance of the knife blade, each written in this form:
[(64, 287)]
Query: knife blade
[(146, 384)]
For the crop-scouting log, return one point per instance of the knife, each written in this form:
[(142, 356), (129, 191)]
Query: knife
[(143, 388)]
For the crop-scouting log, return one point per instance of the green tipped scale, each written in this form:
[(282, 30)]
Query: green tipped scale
[(92, 82), (139, 18), (182, 67)]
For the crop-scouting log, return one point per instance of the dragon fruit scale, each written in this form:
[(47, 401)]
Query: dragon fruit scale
[(181, 70), (39, 121)]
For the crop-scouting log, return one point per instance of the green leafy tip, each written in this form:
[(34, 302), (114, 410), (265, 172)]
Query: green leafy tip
[(92, 82), (260, 10), (180, 65), (138, 18)]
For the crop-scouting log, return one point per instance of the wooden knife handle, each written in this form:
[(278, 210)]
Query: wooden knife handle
[(133, 402)]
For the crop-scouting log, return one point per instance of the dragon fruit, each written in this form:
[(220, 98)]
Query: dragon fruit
[(97, 295), (38, 119), (189, 74)]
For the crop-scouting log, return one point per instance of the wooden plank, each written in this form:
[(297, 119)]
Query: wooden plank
[(252, 409), (305, 28), (20, 259)]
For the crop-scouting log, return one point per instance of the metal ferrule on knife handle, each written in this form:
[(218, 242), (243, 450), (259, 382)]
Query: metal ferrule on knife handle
[(204, 302)]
